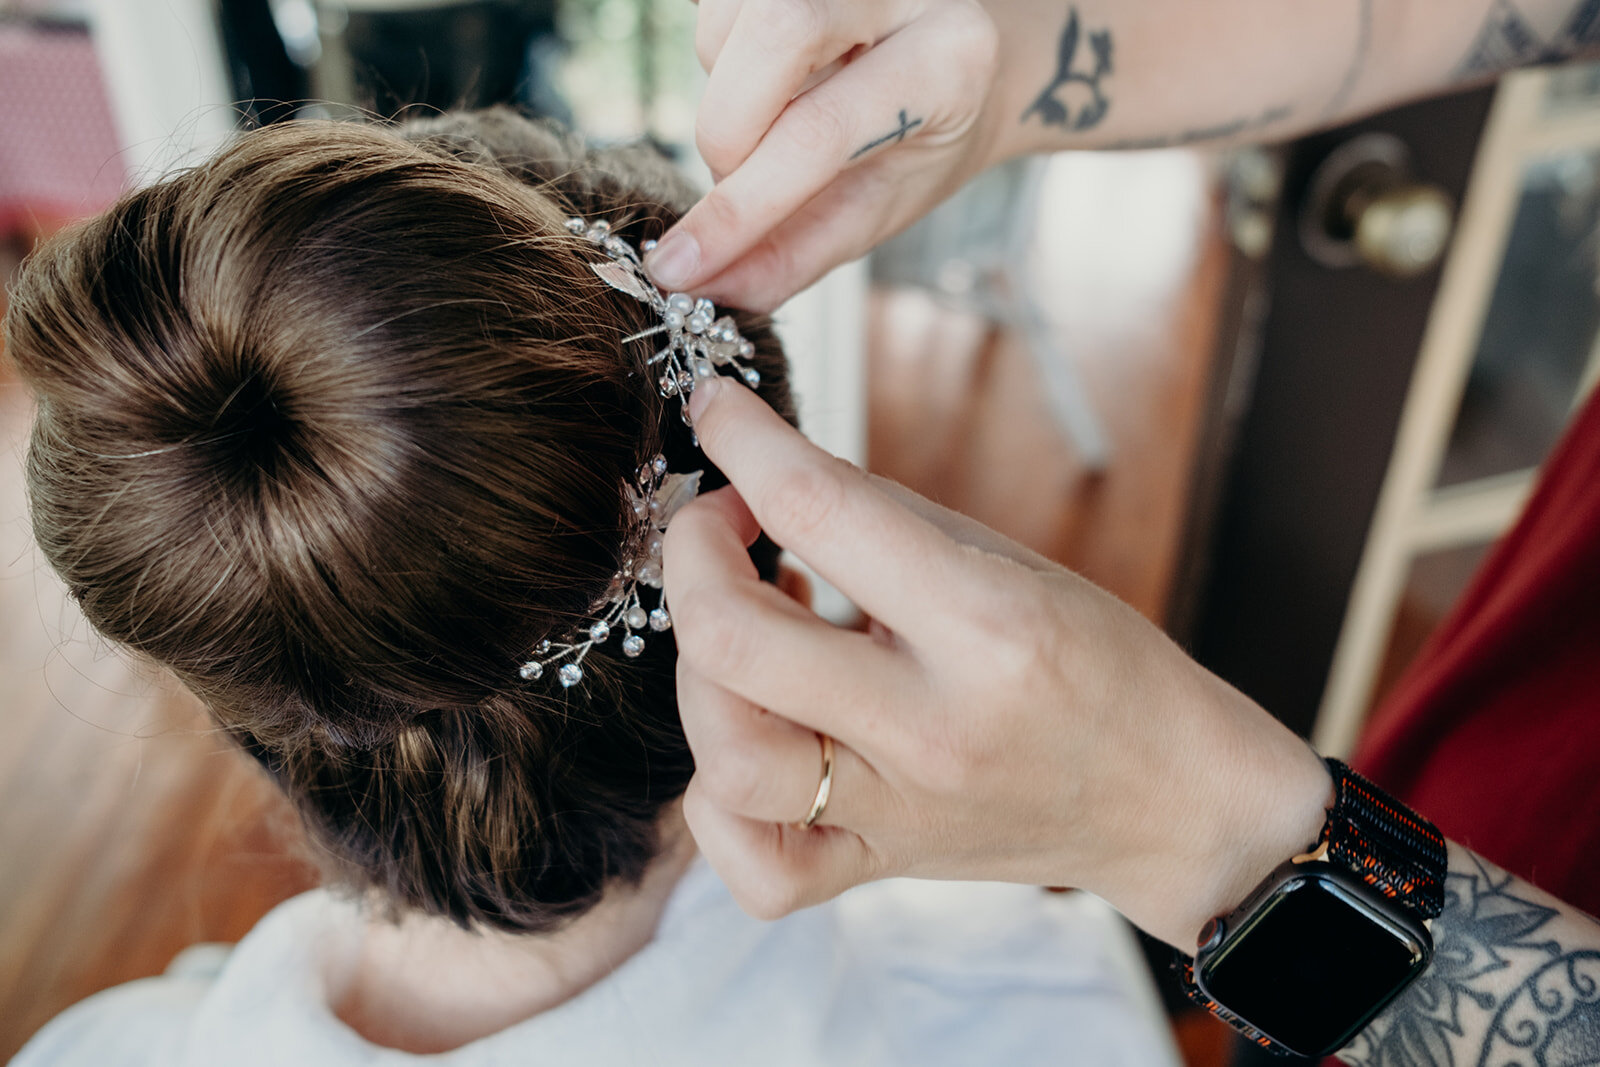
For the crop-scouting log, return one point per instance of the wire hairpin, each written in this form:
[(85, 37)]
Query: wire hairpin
[(698, 345)]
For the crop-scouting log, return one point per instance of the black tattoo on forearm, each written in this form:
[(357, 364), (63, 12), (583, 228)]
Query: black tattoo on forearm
[(1583, 25), (896, 135), (1508, 39), (1503, 988), (1222, 131), (1055, 104), (1505, 40)]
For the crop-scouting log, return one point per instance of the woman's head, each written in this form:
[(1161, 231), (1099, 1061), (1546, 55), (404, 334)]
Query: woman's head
[(337, 427)]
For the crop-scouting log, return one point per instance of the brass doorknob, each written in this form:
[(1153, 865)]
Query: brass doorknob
[(1402, 230), (1363, 207)]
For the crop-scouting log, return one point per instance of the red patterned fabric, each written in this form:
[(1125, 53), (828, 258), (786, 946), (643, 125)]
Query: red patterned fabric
[(1494, 731), (59, 154)]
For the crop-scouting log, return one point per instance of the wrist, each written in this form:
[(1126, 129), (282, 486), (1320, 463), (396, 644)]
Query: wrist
[(1276, 816), (1263, 798)]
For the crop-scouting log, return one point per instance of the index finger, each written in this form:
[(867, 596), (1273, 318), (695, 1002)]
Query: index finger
[(891, 562), (773, 51)]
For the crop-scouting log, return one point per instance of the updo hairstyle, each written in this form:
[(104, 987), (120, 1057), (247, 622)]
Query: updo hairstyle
[(337, 428)]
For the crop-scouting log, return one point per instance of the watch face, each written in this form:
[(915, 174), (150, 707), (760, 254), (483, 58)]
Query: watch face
[(1314, 963)]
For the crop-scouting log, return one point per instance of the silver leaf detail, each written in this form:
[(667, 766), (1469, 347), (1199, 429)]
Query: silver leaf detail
[(676, 491), (624, 278)]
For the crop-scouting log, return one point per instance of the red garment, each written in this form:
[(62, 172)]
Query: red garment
[(1494, 731)]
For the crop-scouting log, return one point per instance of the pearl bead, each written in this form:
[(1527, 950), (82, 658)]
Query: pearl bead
[(570, 675), (682, 303), (660, 620), (636, 618), (531, 671), (672, 318), (704, 304), (632, 645), (650, 574), (698, 322), (654, 547), (746, 348), (599, 632)]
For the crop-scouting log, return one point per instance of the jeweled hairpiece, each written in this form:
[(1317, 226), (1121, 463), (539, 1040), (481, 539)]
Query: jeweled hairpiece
[(698, 345)]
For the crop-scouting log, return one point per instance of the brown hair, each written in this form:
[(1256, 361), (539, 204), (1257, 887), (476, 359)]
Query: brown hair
[(337, 427)]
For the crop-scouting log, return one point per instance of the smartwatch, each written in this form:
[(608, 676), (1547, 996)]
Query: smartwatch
[(1332, 936)]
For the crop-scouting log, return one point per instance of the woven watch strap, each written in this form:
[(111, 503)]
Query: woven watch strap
[(1392, 848), (1395, 850)]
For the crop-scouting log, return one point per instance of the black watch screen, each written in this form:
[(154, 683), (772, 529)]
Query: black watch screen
[(1314, 960)]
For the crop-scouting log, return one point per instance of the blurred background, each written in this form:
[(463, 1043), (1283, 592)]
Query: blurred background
[(1279, 399)]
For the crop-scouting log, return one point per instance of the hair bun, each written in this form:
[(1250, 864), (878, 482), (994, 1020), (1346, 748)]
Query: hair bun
[(337, 427)]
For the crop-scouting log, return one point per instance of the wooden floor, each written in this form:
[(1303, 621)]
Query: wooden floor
[(127, 830)]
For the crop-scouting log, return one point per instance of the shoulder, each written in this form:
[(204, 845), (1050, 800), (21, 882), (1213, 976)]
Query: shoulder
[(138, 1023), (211, 996), (1001, 972)]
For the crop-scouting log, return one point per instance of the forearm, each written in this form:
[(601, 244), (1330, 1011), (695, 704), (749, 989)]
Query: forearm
[(1515, 978), (1155, 73)]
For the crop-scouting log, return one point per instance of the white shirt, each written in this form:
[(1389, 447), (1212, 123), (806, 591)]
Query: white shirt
[(893, 973)]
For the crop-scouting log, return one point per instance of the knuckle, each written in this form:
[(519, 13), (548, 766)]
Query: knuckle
[(712, 628), (768, 896), (1013, 629), (796, 25), (706, 44), (703, 619), (805, 501), (718, 146), (735, 779), (976, 46)]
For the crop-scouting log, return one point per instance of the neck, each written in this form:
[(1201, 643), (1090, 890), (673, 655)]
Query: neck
[(425, 985)]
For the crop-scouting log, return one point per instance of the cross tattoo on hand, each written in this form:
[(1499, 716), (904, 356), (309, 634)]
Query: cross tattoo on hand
[(898, 134)]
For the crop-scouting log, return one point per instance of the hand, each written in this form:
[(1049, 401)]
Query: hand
[(1003, 719), (831, 125)]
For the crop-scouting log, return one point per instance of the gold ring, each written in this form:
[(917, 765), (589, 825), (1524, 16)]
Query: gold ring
[(824, 787)]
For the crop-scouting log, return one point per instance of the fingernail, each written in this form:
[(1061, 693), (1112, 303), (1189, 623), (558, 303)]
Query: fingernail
[(705, 391), (673, 262)]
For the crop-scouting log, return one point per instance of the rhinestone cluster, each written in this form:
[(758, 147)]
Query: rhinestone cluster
[(654, 498), (699, 344)]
